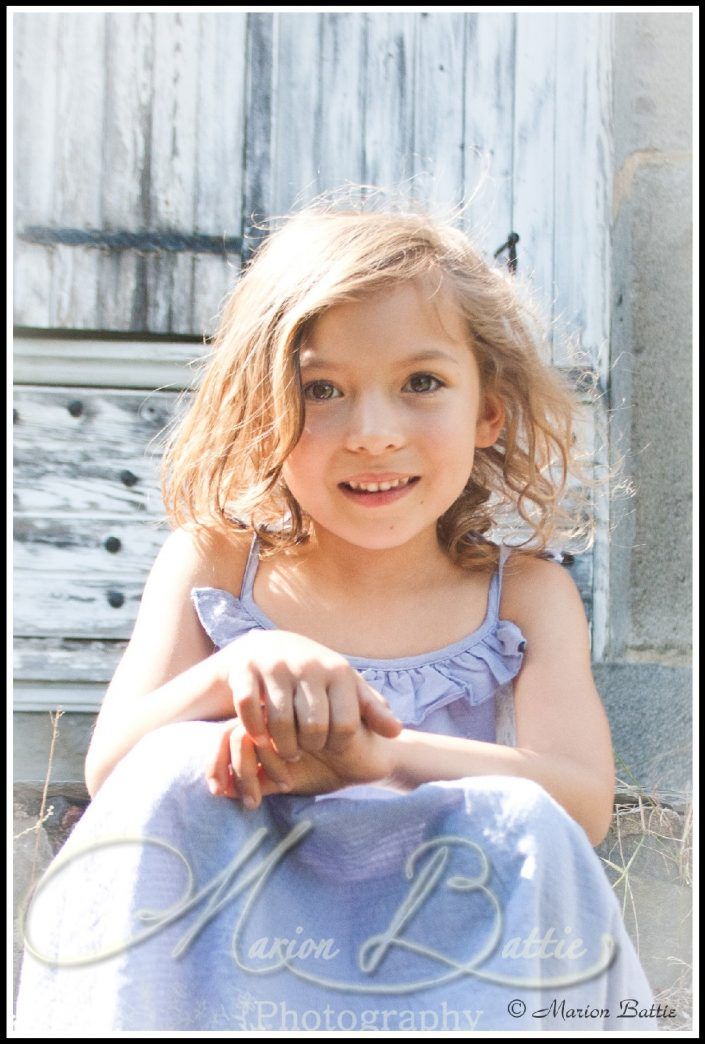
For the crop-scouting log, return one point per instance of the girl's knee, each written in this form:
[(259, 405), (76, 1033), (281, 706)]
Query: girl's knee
[(178, 737), (174, 753), (519, 801), (513, 788)]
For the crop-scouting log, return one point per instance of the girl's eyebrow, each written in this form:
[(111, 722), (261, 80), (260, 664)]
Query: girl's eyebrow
[(308, 360)]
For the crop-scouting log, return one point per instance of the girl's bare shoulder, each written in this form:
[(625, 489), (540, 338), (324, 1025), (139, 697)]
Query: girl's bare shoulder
[(212, 558), (537, 587)]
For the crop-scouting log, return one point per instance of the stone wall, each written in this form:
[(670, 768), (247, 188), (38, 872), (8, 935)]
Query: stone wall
[(651, 394)]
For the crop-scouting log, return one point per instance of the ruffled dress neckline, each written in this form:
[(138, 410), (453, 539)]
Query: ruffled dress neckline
[(400, 662), (470, 670)]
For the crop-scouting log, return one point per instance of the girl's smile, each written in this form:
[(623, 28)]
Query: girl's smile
[(378, 491)]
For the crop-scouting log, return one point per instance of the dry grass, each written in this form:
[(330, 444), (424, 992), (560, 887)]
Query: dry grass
[(44, 812), (679, 996), (652, 836)]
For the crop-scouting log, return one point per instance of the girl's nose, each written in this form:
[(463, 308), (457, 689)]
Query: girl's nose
[(374, 425)]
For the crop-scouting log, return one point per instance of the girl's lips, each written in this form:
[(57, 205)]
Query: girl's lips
[(384, 496)]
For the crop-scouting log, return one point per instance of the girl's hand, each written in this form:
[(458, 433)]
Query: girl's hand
[(241, 770), (366, 758), (297, 696), (235, 758)]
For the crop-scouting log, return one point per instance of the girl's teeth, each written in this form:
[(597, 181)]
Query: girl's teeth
[(376, 487)]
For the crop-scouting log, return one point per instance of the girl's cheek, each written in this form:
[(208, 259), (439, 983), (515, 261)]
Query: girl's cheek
[(322, 432), (323, 427)]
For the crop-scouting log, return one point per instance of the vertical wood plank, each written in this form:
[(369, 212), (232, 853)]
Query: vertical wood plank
[(389, 94), (157, 276), (32, 275), (35, 39), (219, 173), (601, 549), (78, 120), (340, 107), (488, 139), (74, 291), (581, 265), (213, 280), (174, 121), (78, 126), (127, 142), (601, 552), (172, 181), (582, 256), (297, 139), (534, 148), (220, 123), (602, 88), (125, 189), (438, 108), (123, 291), (600, 320), (259, 101)]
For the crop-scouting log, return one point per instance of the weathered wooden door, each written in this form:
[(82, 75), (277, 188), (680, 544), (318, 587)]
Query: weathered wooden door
[(148, 147)]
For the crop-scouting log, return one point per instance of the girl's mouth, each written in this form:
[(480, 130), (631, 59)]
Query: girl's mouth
[(380, 497)]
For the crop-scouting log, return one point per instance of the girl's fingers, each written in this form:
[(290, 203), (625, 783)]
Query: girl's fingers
[(276, 775), (244, 762), (281, 724), (312, 713), (246, 685), (344, 704), (376, 712), (232, 788), (218, 775)]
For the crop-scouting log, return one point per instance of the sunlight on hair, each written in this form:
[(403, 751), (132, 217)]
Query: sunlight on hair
[(222, 466)]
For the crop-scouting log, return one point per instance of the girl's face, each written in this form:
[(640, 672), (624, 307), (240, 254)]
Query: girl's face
[(392, 392)]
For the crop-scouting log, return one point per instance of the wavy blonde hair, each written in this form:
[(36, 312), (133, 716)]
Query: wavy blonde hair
[(222, 464)]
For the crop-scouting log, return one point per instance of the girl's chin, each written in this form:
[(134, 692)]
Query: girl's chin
[(374, 537)]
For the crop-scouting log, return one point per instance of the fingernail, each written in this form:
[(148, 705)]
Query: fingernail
[(213, 786), (293, 757), (262, 741), (249, 802), (284, 786)]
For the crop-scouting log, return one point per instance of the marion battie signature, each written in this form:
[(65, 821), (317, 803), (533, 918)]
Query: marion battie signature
[(426, 869)]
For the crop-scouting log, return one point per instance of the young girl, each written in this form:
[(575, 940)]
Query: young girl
[(302, 816)]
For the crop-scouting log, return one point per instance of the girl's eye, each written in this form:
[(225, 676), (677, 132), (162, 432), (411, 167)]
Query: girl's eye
[(424, 378), (324, 391), (325, 385)]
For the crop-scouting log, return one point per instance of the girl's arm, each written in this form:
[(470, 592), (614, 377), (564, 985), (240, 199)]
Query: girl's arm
[(169, 671), (562, 733)]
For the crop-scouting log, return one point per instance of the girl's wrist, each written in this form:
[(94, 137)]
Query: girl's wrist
[(395, 778)]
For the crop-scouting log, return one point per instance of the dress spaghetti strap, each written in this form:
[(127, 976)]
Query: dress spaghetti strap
[(495, 592), (250, 568)]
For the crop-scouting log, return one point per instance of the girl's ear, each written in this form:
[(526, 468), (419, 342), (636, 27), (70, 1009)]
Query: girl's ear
[(490, 421)]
